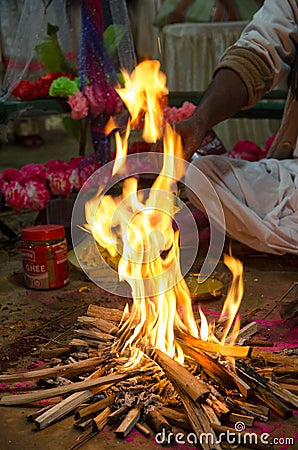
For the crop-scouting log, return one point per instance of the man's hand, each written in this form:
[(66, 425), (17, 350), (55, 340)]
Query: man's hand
[(192, 131)]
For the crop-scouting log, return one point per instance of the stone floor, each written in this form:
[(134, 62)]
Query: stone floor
[(33, 320)]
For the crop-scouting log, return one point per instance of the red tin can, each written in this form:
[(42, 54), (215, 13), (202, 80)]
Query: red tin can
[(44, 255)]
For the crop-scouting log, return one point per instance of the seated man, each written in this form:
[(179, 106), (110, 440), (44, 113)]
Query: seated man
[(260, 199)]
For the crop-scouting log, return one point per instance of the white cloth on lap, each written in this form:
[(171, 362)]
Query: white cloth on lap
[(259, 199)]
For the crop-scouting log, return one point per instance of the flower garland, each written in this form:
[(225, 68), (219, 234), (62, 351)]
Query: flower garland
[(27, 90), (34, 184)]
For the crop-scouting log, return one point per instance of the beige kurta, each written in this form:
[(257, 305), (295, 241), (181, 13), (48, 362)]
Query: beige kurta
[(259, 199)]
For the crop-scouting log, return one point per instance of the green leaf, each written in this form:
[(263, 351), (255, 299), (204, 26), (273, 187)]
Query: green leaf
[(112, 37), (50, 53)]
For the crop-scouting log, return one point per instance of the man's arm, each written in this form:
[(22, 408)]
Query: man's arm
[(226, 95)]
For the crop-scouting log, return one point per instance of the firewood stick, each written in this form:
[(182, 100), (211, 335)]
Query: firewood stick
[(258, 409), (198, 420), (211, 347), (273, 402), (249, 374), (175, 371), (236, 417), (129, 422), (293, 388), (94, 407), (279, 371), (94, 334), (54, 352), (82, 439), (216, 371), (240, 438), (157, 421), (258, 343), (219, 407), (210, 414), (61, 409), (8, 400), (267, 384), (174, 417), (115, 415), (76, 342), (244, 333), (143, 429), (283, 394), (83, 425), (110, 314), (32, 417), (68, 370), (284, 360), (249, 409), (100, 421), (103, 325)]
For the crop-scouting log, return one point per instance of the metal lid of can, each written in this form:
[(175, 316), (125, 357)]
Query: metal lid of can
[(43, 232)]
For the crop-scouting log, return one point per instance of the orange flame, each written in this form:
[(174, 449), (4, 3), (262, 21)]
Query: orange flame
[(140, 230), (230, 308), (149, 247)]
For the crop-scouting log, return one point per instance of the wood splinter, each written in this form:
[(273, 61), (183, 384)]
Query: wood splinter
[(129, 422)]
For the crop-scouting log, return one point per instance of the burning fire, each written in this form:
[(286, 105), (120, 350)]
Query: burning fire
[(230, 308), (138, 225)]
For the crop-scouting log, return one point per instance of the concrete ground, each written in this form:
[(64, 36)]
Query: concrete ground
[(33, 320)]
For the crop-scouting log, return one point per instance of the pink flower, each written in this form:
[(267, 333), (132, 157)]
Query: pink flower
[(15, 195), (173, 114), (38, 195), (78, 104), (95, 100), (59, 182), (33, 172)]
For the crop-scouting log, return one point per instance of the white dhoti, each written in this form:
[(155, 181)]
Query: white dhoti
[(259, 199)]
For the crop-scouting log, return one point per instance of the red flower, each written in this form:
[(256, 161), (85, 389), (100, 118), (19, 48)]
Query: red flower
[(247, 150), (59, 182), (9, 175), (24, 90), (42, 85), (33, 172), (75, 161), (56, 164), (27, 90), (38, 195), (15, 195)]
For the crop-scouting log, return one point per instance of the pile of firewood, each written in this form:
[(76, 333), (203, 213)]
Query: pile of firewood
[(89, 379)]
